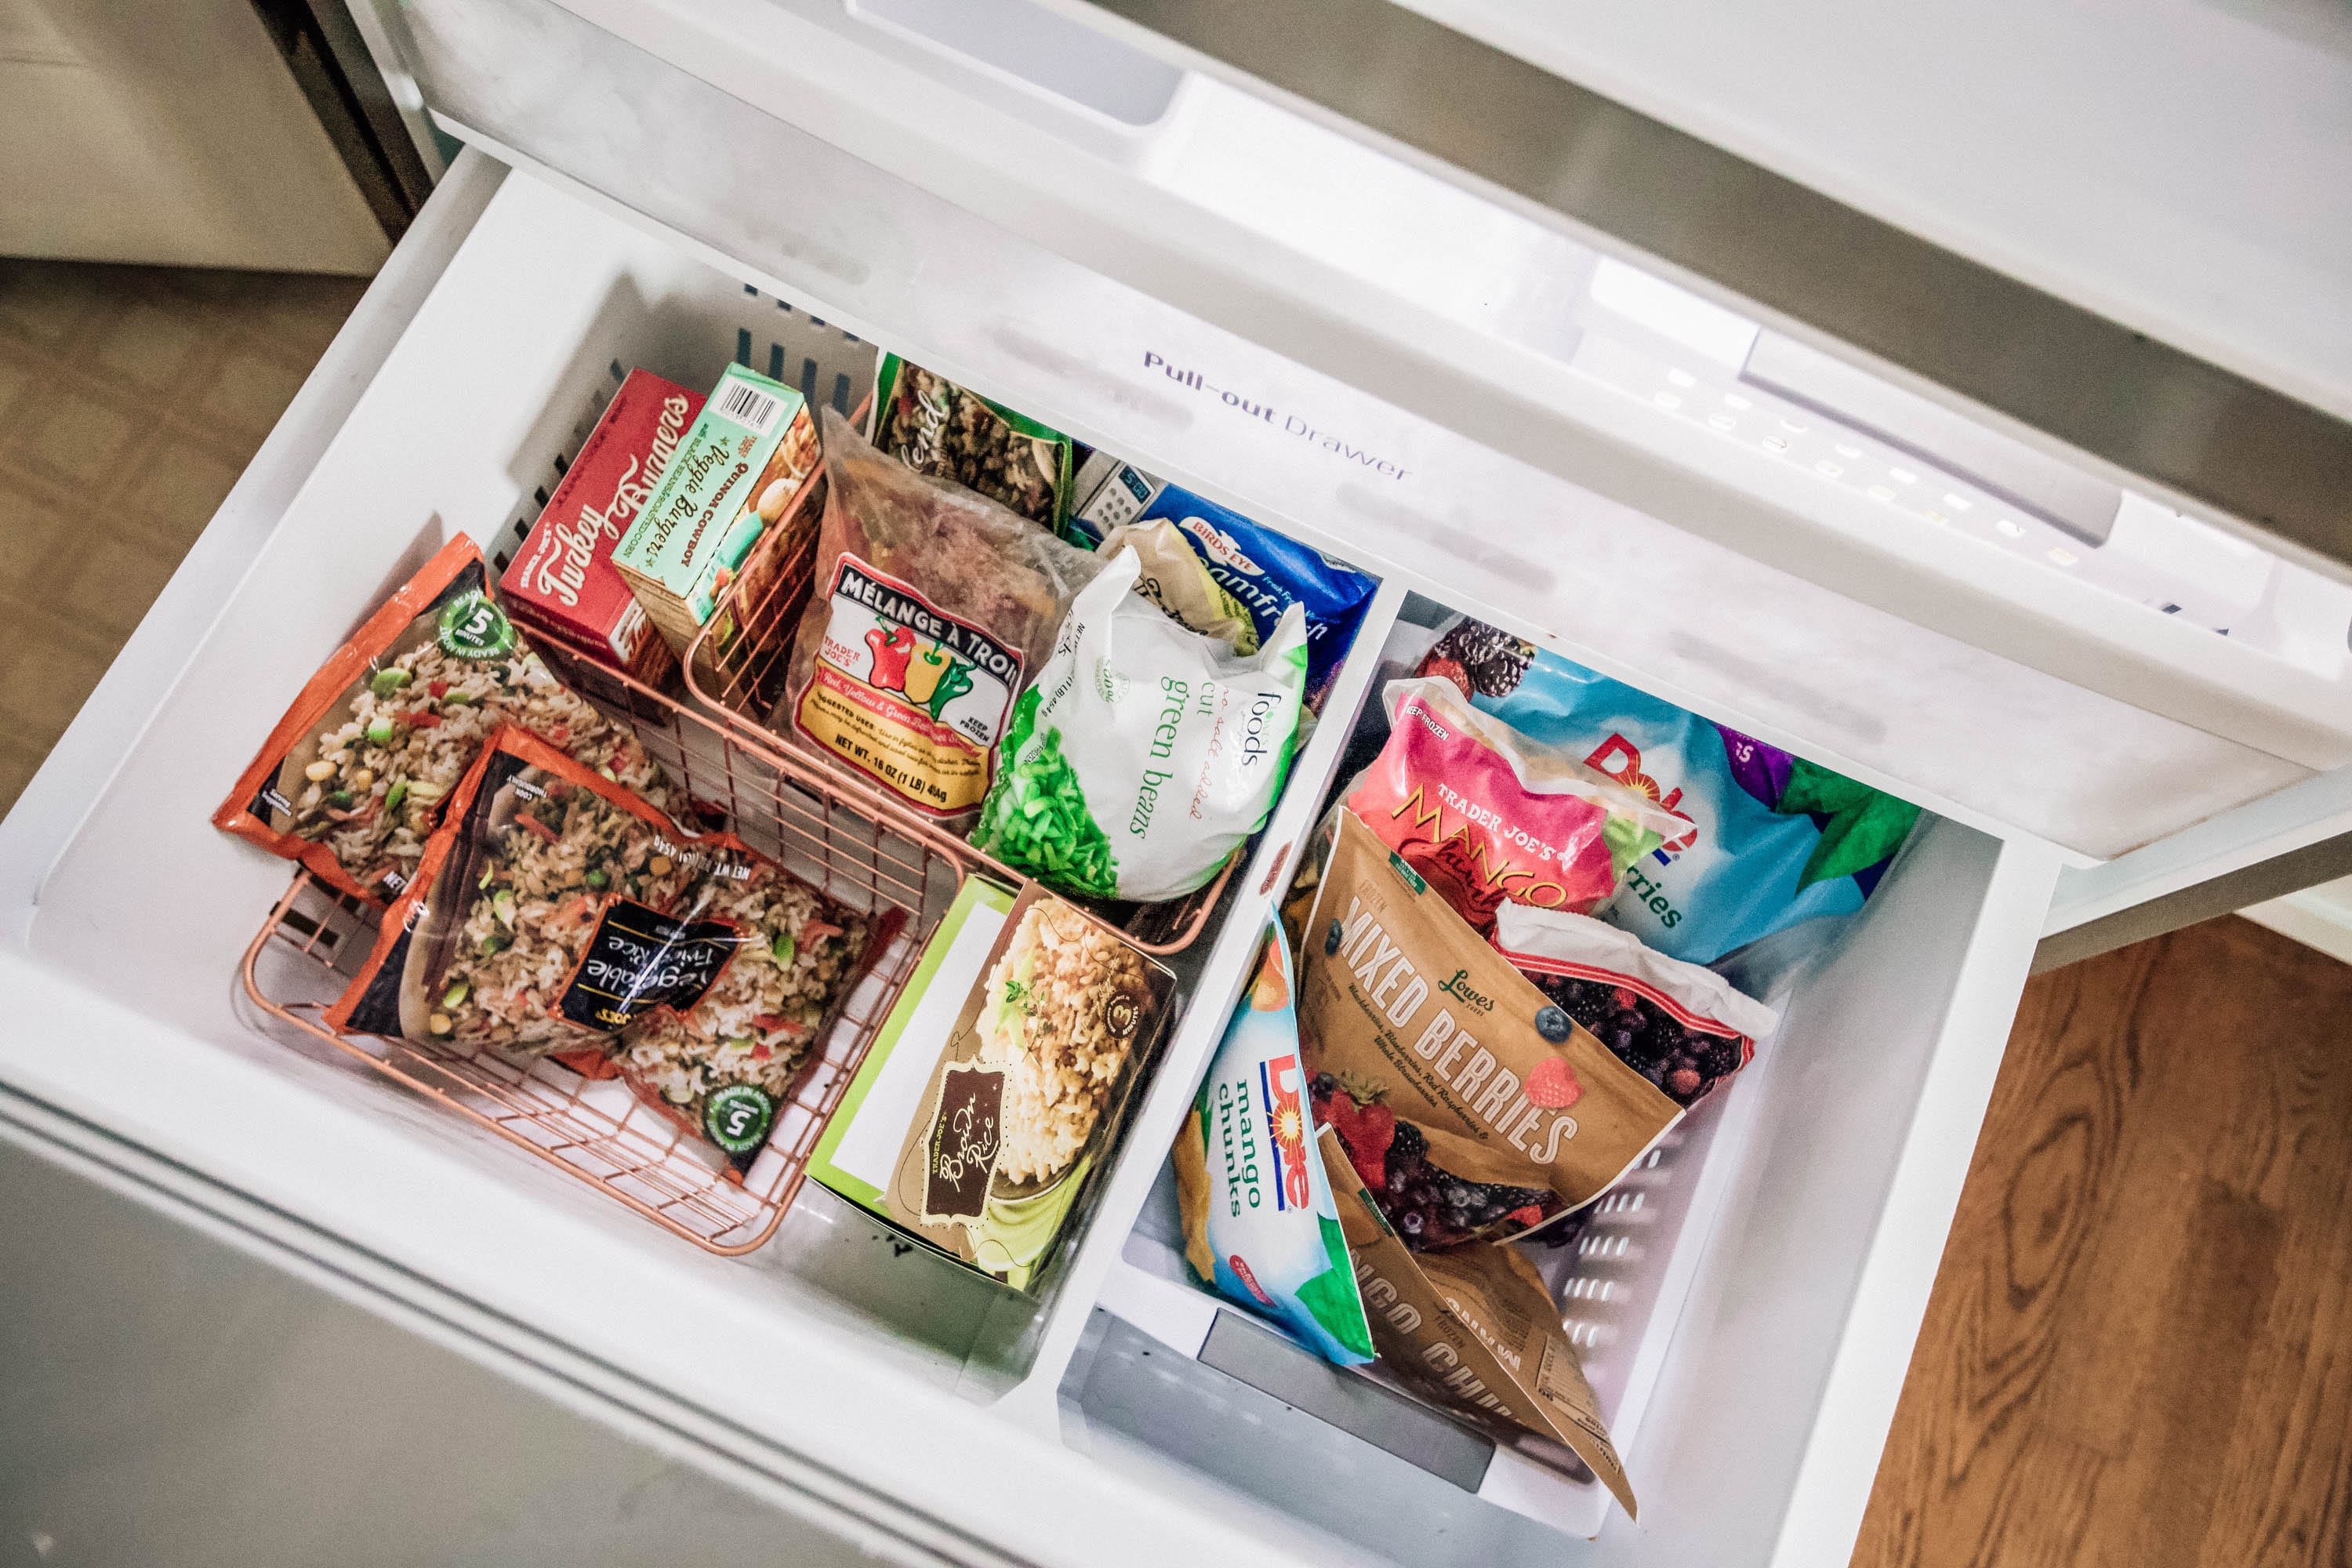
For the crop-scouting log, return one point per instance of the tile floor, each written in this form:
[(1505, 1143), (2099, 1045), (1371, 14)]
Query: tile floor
[(131, 398)]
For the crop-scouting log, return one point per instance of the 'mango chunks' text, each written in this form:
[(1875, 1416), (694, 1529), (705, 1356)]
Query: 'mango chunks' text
[(1473, 1107), (1486, 814)]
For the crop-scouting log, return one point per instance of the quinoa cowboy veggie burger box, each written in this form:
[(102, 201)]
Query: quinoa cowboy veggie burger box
[(1000, 1082), (751, 449)]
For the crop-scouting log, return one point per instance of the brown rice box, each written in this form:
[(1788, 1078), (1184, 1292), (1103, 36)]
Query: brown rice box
[(1474, 1108)]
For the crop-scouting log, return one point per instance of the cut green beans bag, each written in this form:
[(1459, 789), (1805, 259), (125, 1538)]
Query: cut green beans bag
[(1144, 755)]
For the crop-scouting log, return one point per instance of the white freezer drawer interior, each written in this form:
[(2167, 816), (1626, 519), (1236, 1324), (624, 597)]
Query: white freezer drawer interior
[(1662, 489), (1766, 1350)]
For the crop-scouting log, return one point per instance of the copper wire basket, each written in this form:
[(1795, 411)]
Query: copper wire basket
[(785, 807), (735, 671), (828, 825)]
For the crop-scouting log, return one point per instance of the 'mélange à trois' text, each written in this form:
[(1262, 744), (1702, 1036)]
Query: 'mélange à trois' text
[(1306, 429)]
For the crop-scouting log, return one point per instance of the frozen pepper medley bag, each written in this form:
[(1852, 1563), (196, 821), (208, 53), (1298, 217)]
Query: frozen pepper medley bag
[(1259, 1223), (352, 781), (1767, 838), (931, 607), (1488, 815), (554, 911), (1144, 755)]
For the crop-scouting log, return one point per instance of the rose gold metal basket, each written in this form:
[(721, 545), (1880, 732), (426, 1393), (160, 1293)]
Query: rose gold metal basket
[(735, 670), (314, 941), (828, 825)]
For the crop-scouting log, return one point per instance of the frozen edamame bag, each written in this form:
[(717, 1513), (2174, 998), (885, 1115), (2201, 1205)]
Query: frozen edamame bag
[(1143, 754), (1773, 839), (1259, 1221)]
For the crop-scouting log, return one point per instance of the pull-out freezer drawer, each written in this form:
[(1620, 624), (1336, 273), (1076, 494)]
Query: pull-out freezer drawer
[(1725, 507), (1753, 1356)]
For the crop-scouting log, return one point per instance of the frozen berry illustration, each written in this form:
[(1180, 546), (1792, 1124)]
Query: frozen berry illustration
[(1552, 1023), (1551, 1084), (1331, 938), (1446, 669)]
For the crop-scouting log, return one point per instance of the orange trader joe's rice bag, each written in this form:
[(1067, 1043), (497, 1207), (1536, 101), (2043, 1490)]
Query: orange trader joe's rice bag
[(352, 779), (557, 912), (1474, 1107)]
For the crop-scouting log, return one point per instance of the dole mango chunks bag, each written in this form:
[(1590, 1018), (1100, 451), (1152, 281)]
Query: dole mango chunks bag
[(1766, 839), (1473, 1106), (1259, 1221)]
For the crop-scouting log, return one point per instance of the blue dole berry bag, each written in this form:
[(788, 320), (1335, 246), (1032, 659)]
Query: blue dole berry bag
[(1773, 838)]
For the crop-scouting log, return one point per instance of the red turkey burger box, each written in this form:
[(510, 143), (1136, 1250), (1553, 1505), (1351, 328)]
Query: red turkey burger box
[(562, 583)]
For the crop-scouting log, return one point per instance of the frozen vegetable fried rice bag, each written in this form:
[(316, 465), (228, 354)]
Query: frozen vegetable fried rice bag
[(931, 607), (1682, 1027), (1264, 572), (1488, 815), (1473, 1106), (1259, 1223), (556, 912), (352, 779), (1143, 754), (1767, 839)]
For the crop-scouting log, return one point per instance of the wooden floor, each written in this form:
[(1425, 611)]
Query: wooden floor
[(2140, 1350)]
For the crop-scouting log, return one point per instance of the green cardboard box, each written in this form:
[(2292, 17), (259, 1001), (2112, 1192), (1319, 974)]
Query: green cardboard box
[(954, 1129), (749, 450)]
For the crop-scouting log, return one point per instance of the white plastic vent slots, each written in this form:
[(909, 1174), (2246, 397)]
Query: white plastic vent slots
[(831, 368)]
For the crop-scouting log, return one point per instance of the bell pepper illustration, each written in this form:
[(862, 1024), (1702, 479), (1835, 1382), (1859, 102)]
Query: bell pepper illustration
[(937, 678), (892, 649)]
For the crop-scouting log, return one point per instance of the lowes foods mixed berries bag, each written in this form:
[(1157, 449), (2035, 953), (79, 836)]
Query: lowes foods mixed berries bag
[(1473, 1106), (1682, 1027), (1767, 839), (1259, 1224)]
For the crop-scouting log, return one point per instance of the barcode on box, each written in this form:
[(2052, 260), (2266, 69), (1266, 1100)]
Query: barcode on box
[(749, 405)]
